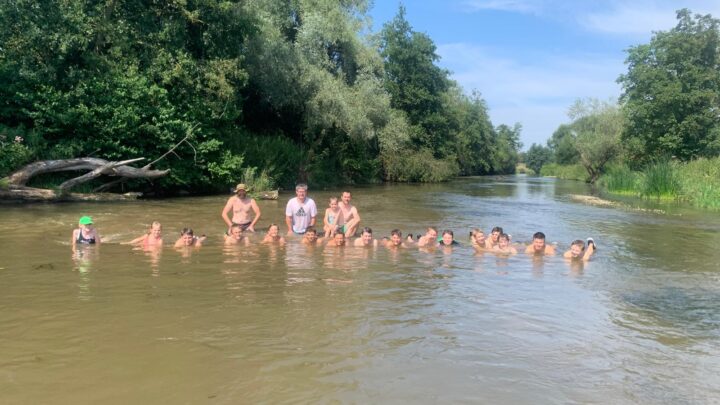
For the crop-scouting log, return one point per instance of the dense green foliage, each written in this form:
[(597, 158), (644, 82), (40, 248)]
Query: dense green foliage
[(537, 156), (566, 172), (672, 92), (697, 181), (291, 89)]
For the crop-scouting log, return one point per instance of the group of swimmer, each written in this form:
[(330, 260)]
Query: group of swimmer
[(340, 224)]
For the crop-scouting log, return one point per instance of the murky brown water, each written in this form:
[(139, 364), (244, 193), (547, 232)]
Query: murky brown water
[(638, 324)]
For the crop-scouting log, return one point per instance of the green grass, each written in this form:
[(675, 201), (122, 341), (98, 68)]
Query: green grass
[(700, 181), (620, 180), (661, 180)]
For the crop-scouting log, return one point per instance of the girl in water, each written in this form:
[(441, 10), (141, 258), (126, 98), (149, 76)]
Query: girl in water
[(477, 239), (504, 246), (332, 217), (152, 239), (86, 234), (273, 236)]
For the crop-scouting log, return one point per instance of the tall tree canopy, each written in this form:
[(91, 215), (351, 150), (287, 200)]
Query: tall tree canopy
[(672, 91)]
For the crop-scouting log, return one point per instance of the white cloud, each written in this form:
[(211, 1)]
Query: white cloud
[(535, 94), (522, 6)]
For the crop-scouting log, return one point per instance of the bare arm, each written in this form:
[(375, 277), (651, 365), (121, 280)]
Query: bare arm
[(255, 209), (226, 211), (589, 252), (288, 222)]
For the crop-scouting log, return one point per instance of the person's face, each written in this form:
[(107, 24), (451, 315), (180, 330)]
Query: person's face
[(156, 231), (480, 238), (576, 250), (333, 205), (311, 236), (431, 234), (396, 239), (187, 239), (346, 198), (447, 239), (494, 236), (503, 243), (236, 233), (273, 231), (339, 239), (301, 194), (366, 238), (539, 244), (241, 194)]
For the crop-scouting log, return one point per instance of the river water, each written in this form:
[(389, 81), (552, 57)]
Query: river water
[(640, 323)]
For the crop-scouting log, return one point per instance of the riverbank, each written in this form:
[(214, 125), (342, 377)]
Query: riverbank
[(696, 183)]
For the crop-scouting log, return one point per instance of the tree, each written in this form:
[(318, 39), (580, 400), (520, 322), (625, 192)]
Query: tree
[(416, 85), (597, 127), (507, 145), (672, 91), (537, 156), (562, 145)]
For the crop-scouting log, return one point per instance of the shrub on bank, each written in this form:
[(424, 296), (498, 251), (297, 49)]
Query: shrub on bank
[(700, 181), (661, 180), (566, 172)]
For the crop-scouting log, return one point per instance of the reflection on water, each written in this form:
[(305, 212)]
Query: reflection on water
[(295, 323)]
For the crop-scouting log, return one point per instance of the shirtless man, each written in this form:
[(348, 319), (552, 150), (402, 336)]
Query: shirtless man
[(579, 252), (492, 241), (539, 247), (236, 236), (396, 240), (300, 211), (241, 205), (429, 239), (350, 217), (366, 239)]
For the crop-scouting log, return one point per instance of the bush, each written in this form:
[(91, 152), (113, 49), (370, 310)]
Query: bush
[(419, 166), (566, 172), (14, 151), (700, 181)]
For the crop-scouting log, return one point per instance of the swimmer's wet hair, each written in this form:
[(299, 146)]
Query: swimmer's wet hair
[(578, 242), (310, 229), (448, 232), (504, 236), (186, 231), (396, 232), (366, 229), (539, 235), (333, 199), (497, 229)]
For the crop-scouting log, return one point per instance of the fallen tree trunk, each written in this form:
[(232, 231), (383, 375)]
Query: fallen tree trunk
[(13, 187)]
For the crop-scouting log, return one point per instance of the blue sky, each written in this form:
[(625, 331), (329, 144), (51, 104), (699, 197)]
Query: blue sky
[(531, 59)]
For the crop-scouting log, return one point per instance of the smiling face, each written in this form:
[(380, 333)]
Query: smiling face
[(334, 204), (188, 239), (494, 236), (576, 250), (431, 234), (273, 231), (447, 239), (479, 238), (366, 238), (339, 239), (396, 239), (539, 244), (346, 197), (156, 231), (310, 236)]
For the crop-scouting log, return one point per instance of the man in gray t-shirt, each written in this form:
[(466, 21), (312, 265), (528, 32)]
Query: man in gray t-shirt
[(300, 212)]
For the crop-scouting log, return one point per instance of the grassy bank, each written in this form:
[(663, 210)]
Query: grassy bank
[(697, 182)]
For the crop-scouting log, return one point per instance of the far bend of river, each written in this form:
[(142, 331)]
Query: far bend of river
[(640, 323)]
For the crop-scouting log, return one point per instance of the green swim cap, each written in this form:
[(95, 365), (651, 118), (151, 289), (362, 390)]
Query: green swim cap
[(86, 220)]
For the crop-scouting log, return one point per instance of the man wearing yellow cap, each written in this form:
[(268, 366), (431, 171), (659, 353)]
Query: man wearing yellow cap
[(241, 205)]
